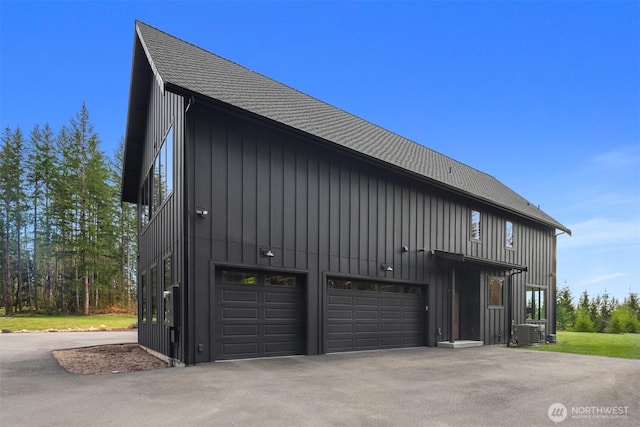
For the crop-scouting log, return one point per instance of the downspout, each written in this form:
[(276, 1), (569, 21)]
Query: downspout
[(511, 292), (185, 338), (553, 289)]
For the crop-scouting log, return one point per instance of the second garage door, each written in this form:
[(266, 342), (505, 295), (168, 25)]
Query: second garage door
[(367, 315)]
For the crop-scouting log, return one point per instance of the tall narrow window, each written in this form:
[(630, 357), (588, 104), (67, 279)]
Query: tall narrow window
[(154, 294), (143, 297), (163, 171), (475, 225), (168, 162), (158, 191), (508, 235), (496, 292), (168, 279), (145, 204)]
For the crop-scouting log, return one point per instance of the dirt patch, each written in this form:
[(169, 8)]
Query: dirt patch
[(108, 359)]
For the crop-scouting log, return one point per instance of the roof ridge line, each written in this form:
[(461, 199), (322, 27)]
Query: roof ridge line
[(423, 146), (320, 119)]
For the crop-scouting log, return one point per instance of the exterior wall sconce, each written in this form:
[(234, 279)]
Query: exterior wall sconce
[(202, 212), (266, 252), (386, 267), (405, 249)]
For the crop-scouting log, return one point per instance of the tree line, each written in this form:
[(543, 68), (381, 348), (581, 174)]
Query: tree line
[(597, 314), (68, 243)]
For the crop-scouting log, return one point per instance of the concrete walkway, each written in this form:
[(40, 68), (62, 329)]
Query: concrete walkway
[(486, 386)]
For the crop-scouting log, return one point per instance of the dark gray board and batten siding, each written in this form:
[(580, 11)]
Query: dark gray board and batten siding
[(162, 236), (331, 194), (323, 212)]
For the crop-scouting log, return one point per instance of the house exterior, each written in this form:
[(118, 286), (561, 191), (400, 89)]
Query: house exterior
[(271, 223)]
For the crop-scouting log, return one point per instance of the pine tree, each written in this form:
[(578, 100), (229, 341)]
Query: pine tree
[(604, 313), (64, 214), (13, 205), (64, 234), (632, 302), (41, 164), (127, 230), (583, 322), (565, 313)]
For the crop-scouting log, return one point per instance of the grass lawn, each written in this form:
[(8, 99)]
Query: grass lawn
[(626, 346), (39, 322)]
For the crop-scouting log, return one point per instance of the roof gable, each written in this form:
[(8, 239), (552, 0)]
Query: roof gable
[(180, 65)]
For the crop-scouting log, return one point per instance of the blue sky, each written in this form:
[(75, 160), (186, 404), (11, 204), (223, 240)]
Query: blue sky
[(545, 95)]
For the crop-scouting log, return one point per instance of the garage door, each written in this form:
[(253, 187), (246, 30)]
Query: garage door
[(257, 315), (368, 315)]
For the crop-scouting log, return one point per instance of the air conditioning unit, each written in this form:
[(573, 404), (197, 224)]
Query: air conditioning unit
[(527, 335)]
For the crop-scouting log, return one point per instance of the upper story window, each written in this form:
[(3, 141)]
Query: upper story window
[(508, 229), (475, 225), (163, 171), (145, 203), (158, 183)]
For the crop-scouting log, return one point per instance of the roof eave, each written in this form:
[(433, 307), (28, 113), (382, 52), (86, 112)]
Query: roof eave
[(171, 87), (142, 69)]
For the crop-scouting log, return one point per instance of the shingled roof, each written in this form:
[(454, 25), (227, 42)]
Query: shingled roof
[(182, 67)]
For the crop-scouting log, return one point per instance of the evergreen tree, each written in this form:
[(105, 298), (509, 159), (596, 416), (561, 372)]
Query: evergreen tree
[(624, 320), (127, 230), (65, 237), (584, 322), (634, 305), (13, 206), (565, 313), (63, 215), (605, 311), (583, 304), (41, 164)]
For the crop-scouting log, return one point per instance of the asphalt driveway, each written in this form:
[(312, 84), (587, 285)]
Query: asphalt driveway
[(491, 386)]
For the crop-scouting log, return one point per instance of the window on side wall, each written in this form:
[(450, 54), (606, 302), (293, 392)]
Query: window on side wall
[(145, 205), (475, 225), (163, 171), (143, 296), (167, 273), (167, 277), (508, 235), (536, 303), (154, 294), (496, 292)]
